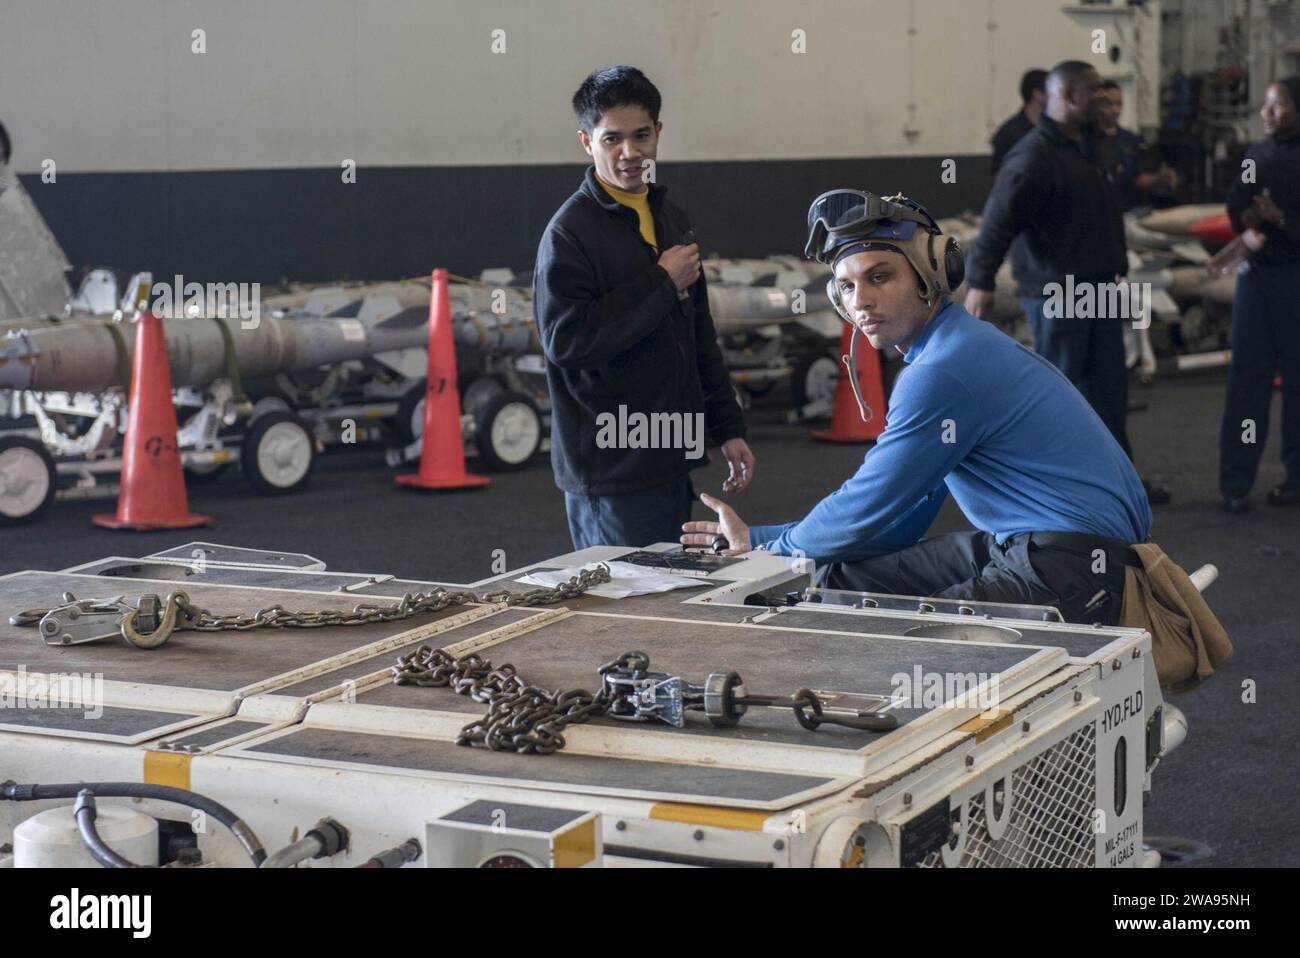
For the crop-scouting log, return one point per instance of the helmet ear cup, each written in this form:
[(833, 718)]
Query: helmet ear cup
[(833, 294), (952, 271), (954, 263)]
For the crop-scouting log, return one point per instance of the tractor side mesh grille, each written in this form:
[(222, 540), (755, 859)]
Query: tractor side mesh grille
[(1051, 824)]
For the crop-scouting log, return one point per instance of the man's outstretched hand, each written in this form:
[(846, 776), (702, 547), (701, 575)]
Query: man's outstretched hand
[(697, 534)]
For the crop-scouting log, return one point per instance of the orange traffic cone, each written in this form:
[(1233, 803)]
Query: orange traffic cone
[(846, 420), (152, 494), (442, 450)]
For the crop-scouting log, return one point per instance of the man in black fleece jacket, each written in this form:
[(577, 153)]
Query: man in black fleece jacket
[(1053, 191), (636, 376)]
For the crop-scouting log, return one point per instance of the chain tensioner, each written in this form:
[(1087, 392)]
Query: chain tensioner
[(531, 720)]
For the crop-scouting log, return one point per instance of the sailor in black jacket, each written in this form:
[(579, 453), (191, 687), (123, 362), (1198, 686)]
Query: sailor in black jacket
[(1264, 205), (1033, 95), (1051, 188), (1052, 191), (636, 377), (1137, 173)]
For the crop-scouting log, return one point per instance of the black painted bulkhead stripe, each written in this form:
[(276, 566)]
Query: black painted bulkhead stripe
[(307, 225)]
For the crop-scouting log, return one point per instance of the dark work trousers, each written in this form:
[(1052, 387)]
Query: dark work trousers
[(1061, 569), (637, 519), (1265, 339), (1090, 352)]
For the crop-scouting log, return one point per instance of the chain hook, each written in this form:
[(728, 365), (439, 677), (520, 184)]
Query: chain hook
[(149, 609)]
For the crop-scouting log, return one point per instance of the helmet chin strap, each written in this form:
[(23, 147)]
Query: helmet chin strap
[(851, 367)]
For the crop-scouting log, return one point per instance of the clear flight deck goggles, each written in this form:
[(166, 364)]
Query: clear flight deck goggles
[(839, 215)]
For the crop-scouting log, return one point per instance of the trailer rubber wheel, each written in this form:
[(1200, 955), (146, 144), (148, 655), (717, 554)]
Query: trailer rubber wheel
[(814, 378), (28, 480), (508, 431), (409, 419), (278, 454), (202, 475)]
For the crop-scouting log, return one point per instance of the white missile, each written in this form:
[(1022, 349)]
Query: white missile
[(1176, 220), (1188, 282), (91, 357)]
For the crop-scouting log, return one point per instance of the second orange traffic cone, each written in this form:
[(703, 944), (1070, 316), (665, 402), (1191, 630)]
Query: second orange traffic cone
[(442, 449), (846, 420), (152, 494)]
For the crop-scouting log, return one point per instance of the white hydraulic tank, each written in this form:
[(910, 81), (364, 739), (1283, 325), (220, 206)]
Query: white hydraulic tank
[(50, 838)]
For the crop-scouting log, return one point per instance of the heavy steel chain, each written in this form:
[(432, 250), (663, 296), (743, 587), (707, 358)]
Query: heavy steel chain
[(520, 717), (412, 603), (198, 619), (150, 622), (571, 588)]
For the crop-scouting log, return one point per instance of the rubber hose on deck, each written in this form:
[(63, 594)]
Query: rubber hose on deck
[(408, 851), (14, 792), (291, 855), (85, 814)]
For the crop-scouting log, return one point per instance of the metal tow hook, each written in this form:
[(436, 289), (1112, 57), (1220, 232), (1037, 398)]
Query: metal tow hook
[(155, 618)]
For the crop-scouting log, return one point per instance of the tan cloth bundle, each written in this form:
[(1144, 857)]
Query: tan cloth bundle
[(1187, 640)]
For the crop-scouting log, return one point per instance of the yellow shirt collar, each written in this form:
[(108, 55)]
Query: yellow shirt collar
[(623, 196)]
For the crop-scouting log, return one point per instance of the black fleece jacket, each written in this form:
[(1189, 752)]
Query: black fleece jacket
[(615, 333), (1277, 169), (1051, 189)]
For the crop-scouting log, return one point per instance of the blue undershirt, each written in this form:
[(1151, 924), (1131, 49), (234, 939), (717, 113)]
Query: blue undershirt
[(976, 414)]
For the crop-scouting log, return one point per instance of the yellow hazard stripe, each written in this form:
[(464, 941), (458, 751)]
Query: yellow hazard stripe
[(167, 768), (989, 723), (741, 819), (577, 846)]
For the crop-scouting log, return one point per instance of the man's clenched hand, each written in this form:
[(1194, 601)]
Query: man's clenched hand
[(682, 263)]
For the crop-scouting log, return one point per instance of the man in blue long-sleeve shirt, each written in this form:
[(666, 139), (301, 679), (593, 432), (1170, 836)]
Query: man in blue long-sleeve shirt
[(973, 414)]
